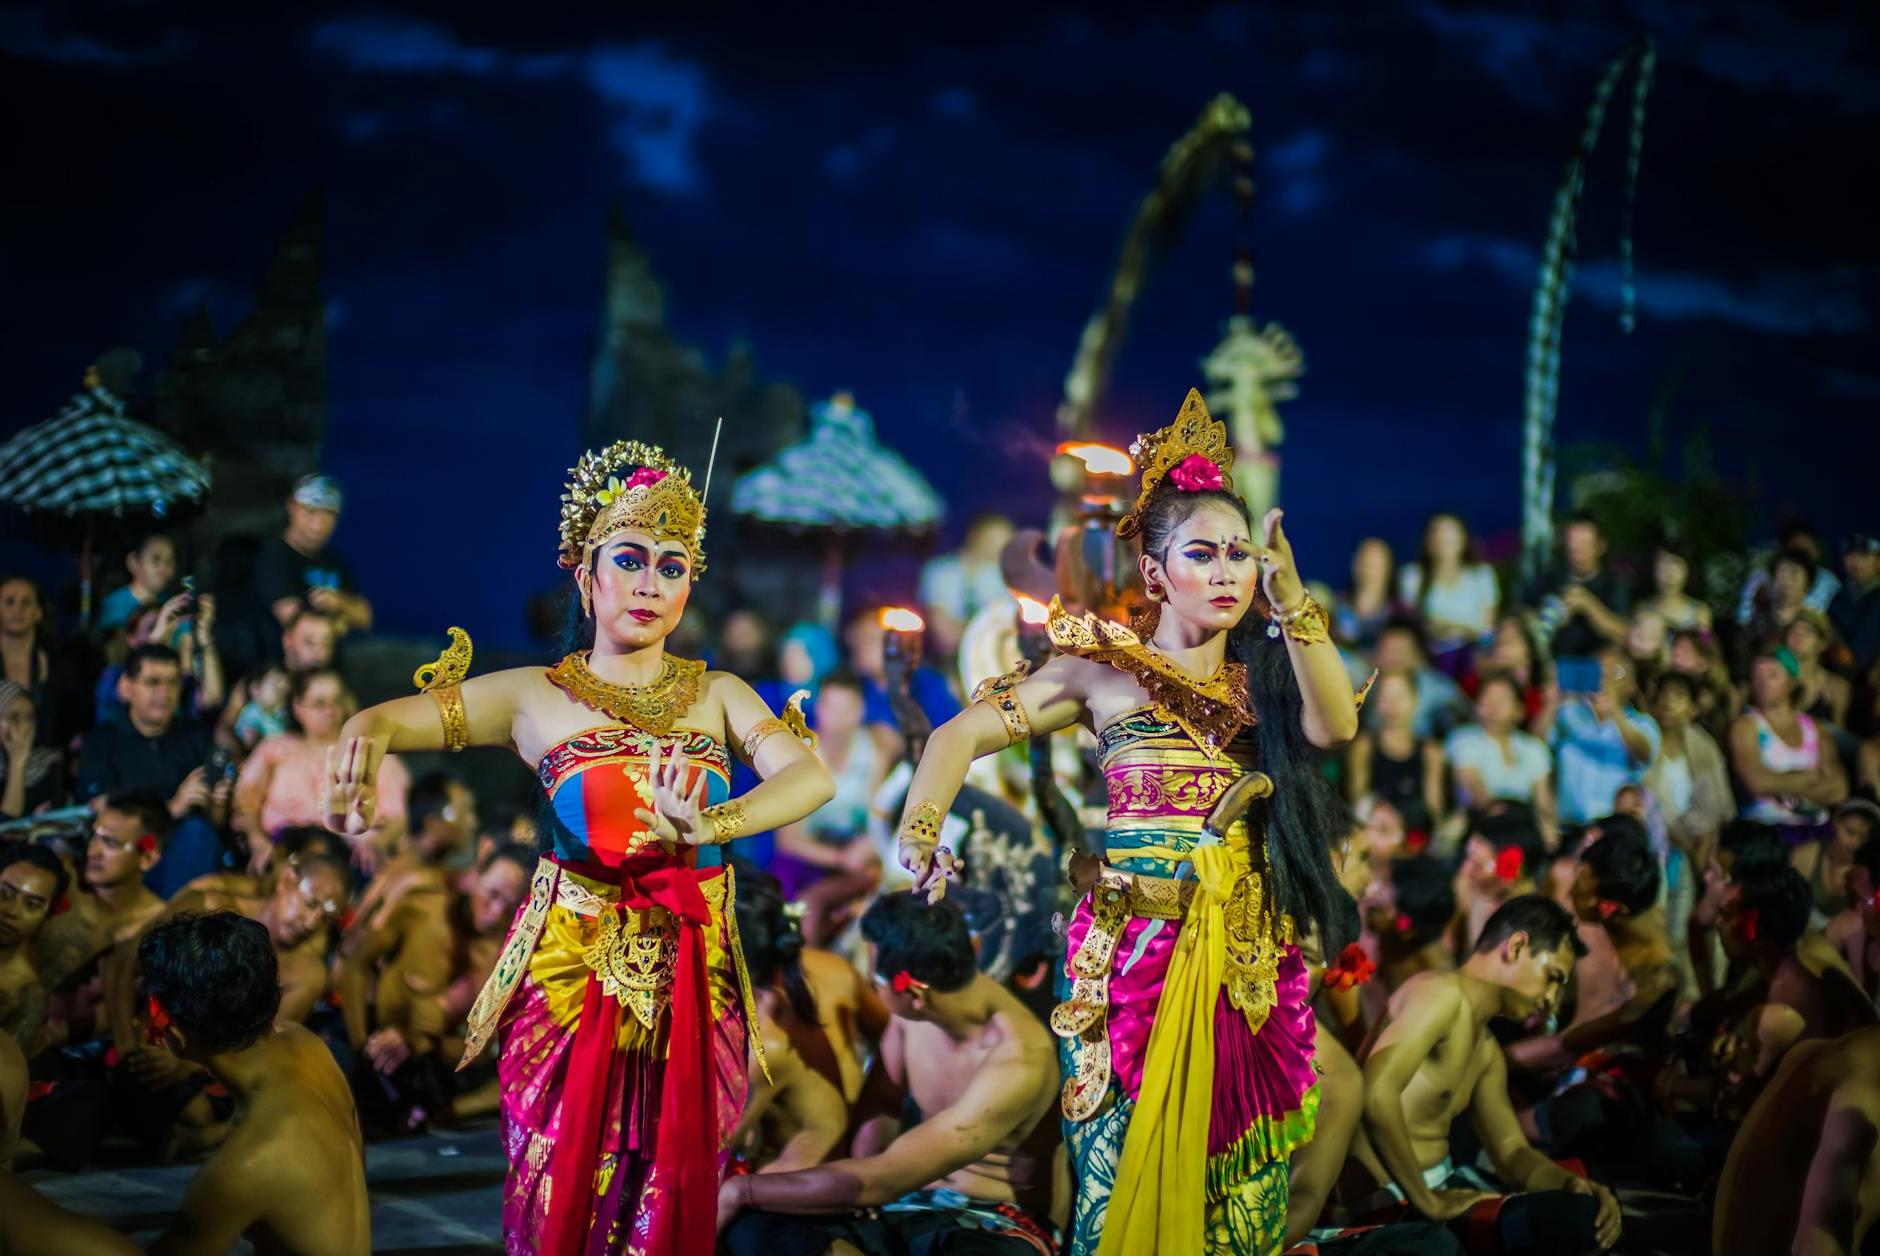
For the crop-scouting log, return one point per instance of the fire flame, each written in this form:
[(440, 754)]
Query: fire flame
[(1031, 610), (900, 619), (1100, 459)]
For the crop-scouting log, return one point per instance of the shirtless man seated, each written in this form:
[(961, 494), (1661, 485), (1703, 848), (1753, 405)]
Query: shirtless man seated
[(817, 1016), (1433, 1058), (981, 1068), (291, 1176), (1804, 1170), (1855, 932), (108, 905), (33, 882)]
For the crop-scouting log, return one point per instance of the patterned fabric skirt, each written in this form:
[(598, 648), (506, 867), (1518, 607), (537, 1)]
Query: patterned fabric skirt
[(1265, 1095), (542, 1089)]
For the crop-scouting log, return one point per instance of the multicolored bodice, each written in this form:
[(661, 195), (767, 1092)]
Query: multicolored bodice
[(598, 778), (1161, 787)]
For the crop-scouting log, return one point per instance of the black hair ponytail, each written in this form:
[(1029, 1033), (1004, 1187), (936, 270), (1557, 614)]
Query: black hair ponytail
[(772, 940)]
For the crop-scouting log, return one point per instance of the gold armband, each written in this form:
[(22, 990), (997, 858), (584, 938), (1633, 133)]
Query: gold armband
[(456, 724), (441, 679), (1305, 623), (760, 733), (1012, 712), (921, 827), (727, 820)]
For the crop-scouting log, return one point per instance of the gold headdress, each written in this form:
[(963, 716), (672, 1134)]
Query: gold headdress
[(1193, 433), (658, 501)]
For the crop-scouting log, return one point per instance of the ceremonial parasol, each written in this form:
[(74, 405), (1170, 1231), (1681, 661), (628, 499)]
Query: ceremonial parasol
[(92, 459), (838, 482)]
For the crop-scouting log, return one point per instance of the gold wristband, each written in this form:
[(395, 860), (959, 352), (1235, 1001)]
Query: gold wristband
[(1305, 623), (727, 820), (1012, 712), (921, 826), (449, 701)]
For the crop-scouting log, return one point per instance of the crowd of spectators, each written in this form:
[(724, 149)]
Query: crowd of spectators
[(1685, 777)]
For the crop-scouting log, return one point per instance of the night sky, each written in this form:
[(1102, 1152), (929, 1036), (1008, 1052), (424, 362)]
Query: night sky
[(925, 212)]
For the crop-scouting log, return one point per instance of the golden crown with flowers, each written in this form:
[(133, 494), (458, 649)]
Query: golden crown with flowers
[(1192, 452), (655, 497)]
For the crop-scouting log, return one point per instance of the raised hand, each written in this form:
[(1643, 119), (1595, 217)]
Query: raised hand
[(677, 816), (350, 796), (1279, 574), (932, 866)]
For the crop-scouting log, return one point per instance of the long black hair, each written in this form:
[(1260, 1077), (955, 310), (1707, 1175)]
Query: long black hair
[(772, 941), (1305, 816)]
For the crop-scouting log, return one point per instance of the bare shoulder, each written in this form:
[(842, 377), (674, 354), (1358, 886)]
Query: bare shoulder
[(1433, 990), (828, 971), (728, 685)]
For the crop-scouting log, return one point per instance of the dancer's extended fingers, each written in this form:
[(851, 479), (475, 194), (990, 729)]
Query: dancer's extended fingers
[(1270, 529)]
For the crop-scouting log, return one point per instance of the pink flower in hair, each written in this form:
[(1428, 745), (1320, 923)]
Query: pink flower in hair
[(645, 476), (1197, 473)]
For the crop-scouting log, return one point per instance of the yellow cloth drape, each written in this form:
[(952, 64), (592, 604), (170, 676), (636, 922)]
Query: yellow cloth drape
[(1159, 1201)]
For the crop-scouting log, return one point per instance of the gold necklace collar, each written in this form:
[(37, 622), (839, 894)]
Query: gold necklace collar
[(653, 707)]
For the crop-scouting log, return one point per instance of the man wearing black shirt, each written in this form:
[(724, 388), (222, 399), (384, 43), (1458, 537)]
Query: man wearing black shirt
[(1588, 601), (152, 751), (296, 569)]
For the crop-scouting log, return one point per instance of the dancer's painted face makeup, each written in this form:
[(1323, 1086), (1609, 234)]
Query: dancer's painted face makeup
[(639, 588), (1209, 572)]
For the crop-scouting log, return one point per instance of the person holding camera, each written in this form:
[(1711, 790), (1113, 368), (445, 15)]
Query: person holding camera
[(153, 748)]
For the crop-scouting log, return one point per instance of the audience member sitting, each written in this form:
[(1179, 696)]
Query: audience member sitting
[(1619, 1042), (1389, 761), (1496, 760), (1670, 597), (281, 781), (185, 623), (1452, 594), (401, 955), (152, 567), (818, 1017), (1789, 768), (1694, 654), (1825, 862), (1691, 784), (1824, 695), (1583, 603), (33, 884), (309, 641), (1765, 917), (1409, 914), (1803, 1173), (297, 569), (983, 1072), (108, 905), (1602, 743), (1433, 1059), (290, 1175), (153, 750), (1502, 858), (501, 888), (1513, 653), (1855, 610), (1767, 609), (1439, 699), (32, 776), (1371, 599), (955, 587), (27, 659), (827, 860), (1855, 931)]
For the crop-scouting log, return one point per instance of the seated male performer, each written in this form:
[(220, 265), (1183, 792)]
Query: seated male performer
[(291, 1176), (983, 1165), (1804, 1170), (1433, 1058)]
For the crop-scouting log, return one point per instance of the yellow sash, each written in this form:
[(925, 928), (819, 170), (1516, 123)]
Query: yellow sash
[(1159, 1201)]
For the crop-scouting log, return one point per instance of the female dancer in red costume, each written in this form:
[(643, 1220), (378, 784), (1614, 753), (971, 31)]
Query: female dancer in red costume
[(620, 999)]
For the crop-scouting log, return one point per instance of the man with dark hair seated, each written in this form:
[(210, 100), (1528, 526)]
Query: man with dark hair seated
[(1502, 858), (983, 1168), (1411, 918), (1433, 1059), (33, 884), (1803, 1173), (109, 903), (1620, 1043), (1743, 847), (291, 1176)]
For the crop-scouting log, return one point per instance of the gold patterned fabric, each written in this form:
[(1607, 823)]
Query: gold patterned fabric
[(653, 707), (1212, 711)]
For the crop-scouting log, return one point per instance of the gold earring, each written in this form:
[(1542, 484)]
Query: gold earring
[(1155, 593), (587, 606)]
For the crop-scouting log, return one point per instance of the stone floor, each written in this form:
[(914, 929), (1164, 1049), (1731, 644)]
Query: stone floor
[(431, 1194)]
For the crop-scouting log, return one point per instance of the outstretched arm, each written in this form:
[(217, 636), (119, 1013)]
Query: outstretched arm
[(1051, 699)]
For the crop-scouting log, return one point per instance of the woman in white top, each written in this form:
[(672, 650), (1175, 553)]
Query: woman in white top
[(1783, 758), (1454, 596), (1496, 759)]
